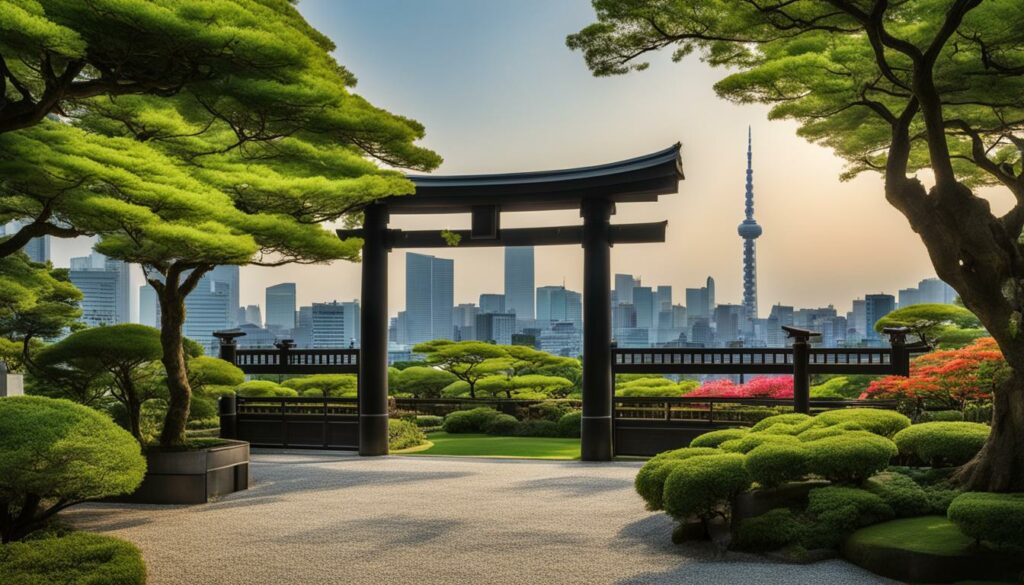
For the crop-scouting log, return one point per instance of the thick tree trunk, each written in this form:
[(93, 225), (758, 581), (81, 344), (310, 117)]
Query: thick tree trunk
[(999, 466), (172, 318)]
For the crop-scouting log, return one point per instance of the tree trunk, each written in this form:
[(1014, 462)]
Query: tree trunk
[(999, 466), (172, 318)]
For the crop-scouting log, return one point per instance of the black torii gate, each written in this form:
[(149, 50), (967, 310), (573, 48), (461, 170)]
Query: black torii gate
[(594, 190)]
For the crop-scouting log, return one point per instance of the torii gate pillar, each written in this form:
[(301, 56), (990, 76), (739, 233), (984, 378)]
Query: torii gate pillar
[(373, 357), (596, 431)]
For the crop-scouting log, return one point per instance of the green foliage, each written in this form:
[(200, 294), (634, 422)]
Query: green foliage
[(76, 558), (940, 497), (650, 480), (403, 434), (838, 511), (552, 410), (773, 464), (942, 443), (703, 486), (652, 386), (875, 420), (36, 302), (902, 494), (716, 438), (469, 421), (210, 373), (849, 458), (537, 428), (815, 433), (775, 529), (334, 385), (990, 517), (789, 419), (570, 424), (930, 321), (750, 441), (263, 389), (839, 387), (503, 424), (467, 361), (55, 453), (423, 382), (426, 421)]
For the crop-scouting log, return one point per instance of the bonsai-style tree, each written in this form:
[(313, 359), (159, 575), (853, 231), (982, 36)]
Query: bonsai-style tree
[(213, 376), (37, 302), (894, 88), (339, 385), (423, 382), (54, 454), (115, 358), (468, 361), (935, 324)]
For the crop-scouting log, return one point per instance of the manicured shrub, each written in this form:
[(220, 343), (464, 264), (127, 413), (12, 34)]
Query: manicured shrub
[(940, 497), (874, 420), (751, 441), (54, 453), (552, 410), (904, 495), (650, 481), (794, 418), (942, 444), (503, 424), (569, 424), (782, 429), (849, 458), (838, 511), (772, 530), (942, 416), (469, 421), (537, 428), (772, 464), (704, 486), (263, 389), (403, 434), (815, 433), (992, 517), (716, 438), (77, 558), (429, 421)]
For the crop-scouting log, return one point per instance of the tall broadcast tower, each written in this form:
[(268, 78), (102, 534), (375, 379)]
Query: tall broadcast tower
[(749, 231)]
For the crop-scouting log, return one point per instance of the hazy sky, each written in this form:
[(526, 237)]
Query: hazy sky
[(498, 91)]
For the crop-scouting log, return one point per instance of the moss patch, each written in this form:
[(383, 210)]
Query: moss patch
[(934, 535)]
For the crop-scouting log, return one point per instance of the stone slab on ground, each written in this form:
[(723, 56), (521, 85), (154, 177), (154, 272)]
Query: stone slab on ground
[(328, 517)]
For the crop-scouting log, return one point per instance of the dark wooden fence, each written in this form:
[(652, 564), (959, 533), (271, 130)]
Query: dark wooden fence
[(300, 422)]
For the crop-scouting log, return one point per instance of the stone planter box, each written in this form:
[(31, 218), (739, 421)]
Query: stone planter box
[(11, 384), (193, 477)]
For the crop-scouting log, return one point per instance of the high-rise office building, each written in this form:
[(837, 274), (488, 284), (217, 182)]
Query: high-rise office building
[(492, 303), (875, 307), (464, 321), (749, 230), (519, 281), (662, 304), (106, 289), (37, 249), (149, 306), (700, 302), (496, 327), (335, 324), (252, 315), (624, 285), (643, 302), (429, 297), (929, 290), (280, 303), (856, 319), (556, 304), (729, 322), (209, 308)]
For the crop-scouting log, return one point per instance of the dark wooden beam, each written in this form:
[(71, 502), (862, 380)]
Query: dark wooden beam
[(631, 233)]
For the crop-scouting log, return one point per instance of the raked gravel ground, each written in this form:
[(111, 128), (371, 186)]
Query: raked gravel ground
[(334, 518)]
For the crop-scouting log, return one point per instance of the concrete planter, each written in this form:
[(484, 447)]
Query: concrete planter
[(193, 477), (11, 384)]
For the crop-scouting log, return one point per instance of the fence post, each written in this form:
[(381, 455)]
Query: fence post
[(801, 376), (283, 346), (228, 410), (900, 356), (228, 345)]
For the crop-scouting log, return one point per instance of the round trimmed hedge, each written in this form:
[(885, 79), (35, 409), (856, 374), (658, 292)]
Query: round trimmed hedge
[(503, 424), (942, 444), (773, 464), (772, 530), (815, 433), (701, 485), (904, 495), (403, 434), (991, 517), (851, 457), (838, 511), (794, 418), (79, 557), (716, 438), (650, 480), (569, 425), (751, 441), (469, 421), (874, 420)]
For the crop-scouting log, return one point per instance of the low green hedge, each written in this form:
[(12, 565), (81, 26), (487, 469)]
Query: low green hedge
[(503, 424), (942, 444), (880, 422), (403, 434), (536, 428), (815, 433), (751, 441), (838, 511), (794, 418), (650, 481), (904, 495), (704, 485), (991, 517), (716, 438), (772, 530), (78, 558), (569, 424), (429, 421), (469, 421), (849, 458), (772, 464)]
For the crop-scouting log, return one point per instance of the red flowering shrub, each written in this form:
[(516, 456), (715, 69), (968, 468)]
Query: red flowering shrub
[(760, 387), (946, 379)]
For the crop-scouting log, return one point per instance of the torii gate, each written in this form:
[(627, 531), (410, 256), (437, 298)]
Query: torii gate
[(595, 191)]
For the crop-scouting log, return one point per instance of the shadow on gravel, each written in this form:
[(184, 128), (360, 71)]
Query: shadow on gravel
[(384, 533), (578, 485), (653, 532), (730, 571)]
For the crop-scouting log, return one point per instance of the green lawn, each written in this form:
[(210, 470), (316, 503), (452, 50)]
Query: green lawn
[(473, 445), (933, 535)]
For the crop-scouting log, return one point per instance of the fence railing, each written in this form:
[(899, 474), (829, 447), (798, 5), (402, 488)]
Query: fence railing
[(722, 410)]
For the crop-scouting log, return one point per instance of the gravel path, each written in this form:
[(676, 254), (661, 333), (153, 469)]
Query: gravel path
[(313, 518)]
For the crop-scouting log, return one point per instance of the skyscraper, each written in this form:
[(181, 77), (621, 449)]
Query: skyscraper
[(643, 302), (429, 297), (519, 282), (556, 304), (37, 249), (492, 303), (876, 307), (624, 285), (280, 303), (105, 287), (700, 302), (749, 231), (335, 324), (149, 308)]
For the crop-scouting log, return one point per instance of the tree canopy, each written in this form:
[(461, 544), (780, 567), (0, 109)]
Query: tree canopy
[(946, 325)]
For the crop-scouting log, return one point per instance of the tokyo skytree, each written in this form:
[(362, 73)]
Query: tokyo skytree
[(749, 231)]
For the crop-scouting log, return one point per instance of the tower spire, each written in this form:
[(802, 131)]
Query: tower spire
[(749, 230)]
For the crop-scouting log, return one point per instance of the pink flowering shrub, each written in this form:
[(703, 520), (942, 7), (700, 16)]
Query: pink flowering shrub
[(760, 387)]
